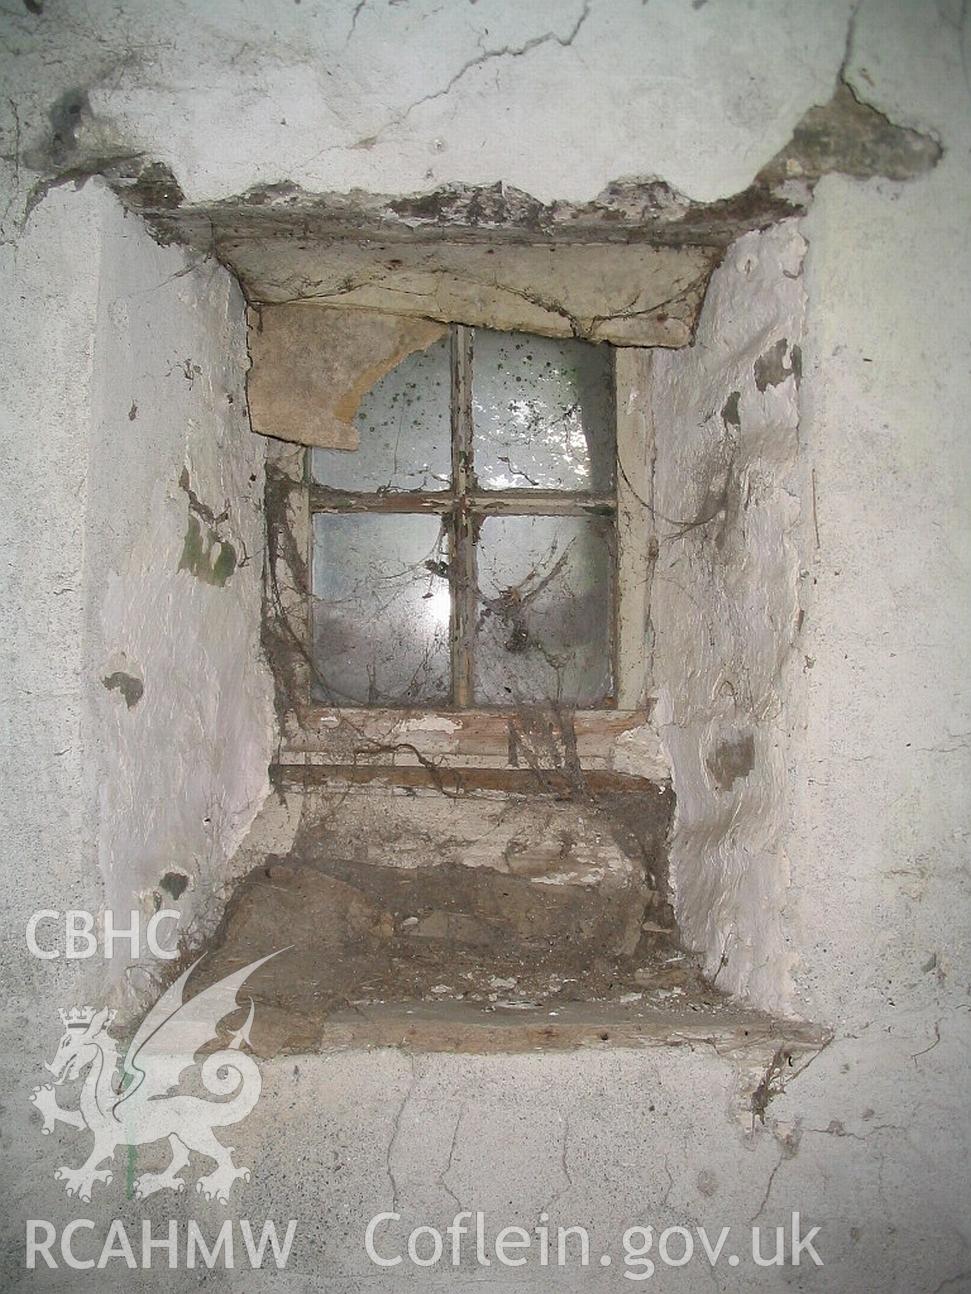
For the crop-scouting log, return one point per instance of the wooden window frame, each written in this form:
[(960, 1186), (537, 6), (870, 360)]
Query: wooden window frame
[(461, 730)]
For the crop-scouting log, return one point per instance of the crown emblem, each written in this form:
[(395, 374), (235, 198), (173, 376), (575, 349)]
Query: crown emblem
[(79, 1017)]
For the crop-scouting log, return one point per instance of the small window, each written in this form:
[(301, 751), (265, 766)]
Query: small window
[(466, 554)]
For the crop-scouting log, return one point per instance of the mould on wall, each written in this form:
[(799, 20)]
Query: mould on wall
[(206, 556), (732, 759), (66, 115), (131, 688), (770, 367), (174, 884), (205, 553)]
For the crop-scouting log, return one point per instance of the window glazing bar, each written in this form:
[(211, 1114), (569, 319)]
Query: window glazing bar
[(462, 566)]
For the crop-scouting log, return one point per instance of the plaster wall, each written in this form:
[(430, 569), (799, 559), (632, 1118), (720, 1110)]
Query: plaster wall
[(725, 609), (173, 565), (319, 93), (135, 631), (872, 1139), (48, 357), (880, 765)]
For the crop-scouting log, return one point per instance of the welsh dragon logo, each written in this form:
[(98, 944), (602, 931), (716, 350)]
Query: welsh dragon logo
[(142, 1103)]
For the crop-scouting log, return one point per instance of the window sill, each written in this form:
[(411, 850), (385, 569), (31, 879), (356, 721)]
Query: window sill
[(622, 741)]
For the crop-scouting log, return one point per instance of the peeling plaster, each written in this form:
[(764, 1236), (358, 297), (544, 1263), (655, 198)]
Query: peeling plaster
[(770, 368), (873, 1137)]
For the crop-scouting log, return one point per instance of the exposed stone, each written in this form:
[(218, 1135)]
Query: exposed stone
[(274, 236), (629, 294), (770, 369), (174, 884), (851, 138)]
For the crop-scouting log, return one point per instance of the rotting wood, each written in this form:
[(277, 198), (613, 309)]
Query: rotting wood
[(506, 503), (462, 732), (636, 538), (455, 780), (462, 565)]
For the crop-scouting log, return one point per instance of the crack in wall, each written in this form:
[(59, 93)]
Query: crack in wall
[(487, 56)]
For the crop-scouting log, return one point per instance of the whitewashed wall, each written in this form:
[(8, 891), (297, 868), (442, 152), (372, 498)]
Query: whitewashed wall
[(730, 488), (146, 665), (872, 1139), (173, 567)]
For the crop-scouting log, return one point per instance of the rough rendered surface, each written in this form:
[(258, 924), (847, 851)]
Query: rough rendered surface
[(155, 517), (726, 596), (848, 896), (627, 295)]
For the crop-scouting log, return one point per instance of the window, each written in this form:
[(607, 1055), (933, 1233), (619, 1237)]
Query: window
[(465, 555)]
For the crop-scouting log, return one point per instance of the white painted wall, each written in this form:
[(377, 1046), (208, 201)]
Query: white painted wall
[(131, 370), (179, 776), (47, 833), (872, 1140), (729, 486), (879, 774), (556, 97)]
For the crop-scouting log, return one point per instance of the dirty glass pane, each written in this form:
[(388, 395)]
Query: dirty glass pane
[(543, 413), (543, 620), (405, 427), (380, 609)]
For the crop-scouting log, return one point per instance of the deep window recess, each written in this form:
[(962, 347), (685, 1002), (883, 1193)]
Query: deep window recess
[(465, 555)]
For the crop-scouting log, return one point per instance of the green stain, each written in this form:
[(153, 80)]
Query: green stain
[(206, 556)]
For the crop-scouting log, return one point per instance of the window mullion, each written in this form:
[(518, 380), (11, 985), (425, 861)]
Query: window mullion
[(463, 572)]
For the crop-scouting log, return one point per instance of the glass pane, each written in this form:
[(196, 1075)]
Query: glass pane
[(405, 427), (543, 412), (381, 609), (543, 624)]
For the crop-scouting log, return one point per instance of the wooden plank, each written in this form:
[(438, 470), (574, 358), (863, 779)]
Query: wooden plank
[(464, 733), (523, 781), (462, 566), (636, 532), (325, 500), (543, 502), (501, 504)]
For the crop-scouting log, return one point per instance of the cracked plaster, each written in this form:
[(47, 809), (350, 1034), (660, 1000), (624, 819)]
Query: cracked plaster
[(871, 1141)]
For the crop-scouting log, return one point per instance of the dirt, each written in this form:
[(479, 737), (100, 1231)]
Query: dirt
[(358, 935)]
